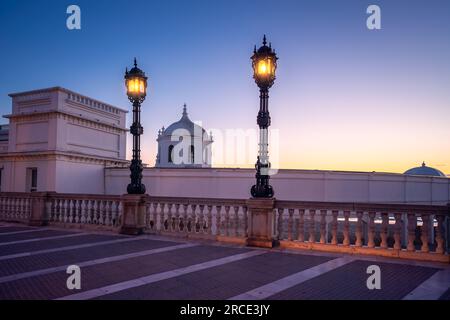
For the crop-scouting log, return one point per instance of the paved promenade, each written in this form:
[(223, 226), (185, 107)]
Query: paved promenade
[(34, 261)]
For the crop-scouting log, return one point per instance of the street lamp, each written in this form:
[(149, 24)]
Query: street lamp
[(264, 62), (136, 84)]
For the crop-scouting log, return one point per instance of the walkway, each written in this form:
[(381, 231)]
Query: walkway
[(34, 261)]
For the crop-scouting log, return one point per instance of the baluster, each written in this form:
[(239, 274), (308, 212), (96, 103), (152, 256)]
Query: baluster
[(346, 241), (66, 210), (397, 231), (102, 211), (280, 223), (119, 211), (371, 232), (209, 219), (23, 213), (160, 217), (290, 223), (440, 234), (20, 209), (312, 226), (106, 214), (227, 221), (83, 208), (73, 210), (218, 219), (111, 213), (163, 225), (323, 235), (424, 233), (170, 218), (192, 218), (201, 219), (177, 217), (14, 208), (334, 227), (184, 217), (90, 210), (236, 221), (359, 223), (153, 208), (412, 221), (301, 225), (384, 229), (76, 211), (244, 209)]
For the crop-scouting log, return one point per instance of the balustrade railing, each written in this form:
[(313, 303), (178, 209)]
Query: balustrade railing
[(15, 206), (395, 230), (84, 209), (209, 218), (391, 230)]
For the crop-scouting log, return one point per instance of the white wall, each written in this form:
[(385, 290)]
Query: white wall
[(306, 185), (73, 177)]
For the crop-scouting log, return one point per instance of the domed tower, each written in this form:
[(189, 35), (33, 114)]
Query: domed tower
[(184, 144), (425, 171)]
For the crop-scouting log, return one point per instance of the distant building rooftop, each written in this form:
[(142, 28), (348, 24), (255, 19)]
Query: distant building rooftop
[(425, 171)]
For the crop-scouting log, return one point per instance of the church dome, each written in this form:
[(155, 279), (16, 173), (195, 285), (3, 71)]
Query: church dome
[(184, 123), (425, 171)]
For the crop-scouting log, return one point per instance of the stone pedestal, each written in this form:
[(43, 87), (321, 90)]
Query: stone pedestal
[(260, 222), (133, 220), (38, 214)]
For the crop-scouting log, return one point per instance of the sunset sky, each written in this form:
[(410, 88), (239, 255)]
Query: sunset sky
[(345, 98)]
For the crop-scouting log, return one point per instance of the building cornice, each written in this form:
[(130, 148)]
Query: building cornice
[(58, 88), (65, 115), (62, 155)]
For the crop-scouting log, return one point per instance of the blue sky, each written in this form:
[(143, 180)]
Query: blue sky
[(345, 97)]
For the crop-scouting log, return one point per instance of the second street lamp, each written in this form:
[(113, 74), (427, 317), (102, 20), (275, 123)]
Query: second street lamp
[(264, 62), (136, 84)]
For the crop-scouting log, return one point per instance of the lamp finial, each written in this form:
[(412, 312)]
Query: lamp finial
[(264, 40), (135, 62)]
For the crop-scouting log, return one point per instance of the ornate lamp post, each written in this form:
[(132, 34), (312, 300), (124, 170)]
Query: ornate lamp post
[(264, 62), (136, 84)]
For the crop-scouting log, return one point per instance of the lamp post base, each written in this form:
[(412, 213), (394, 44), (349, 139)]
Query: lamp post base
[(262, 191), (136, 189)]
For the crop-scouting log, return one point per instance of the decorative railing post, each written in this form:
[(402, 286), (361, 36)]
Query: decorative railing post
[(134, 207), (260, 222), (38, 212)]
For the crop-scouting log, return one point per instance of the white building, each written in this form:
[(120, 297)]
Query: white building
[(184, 144), (59, 140)]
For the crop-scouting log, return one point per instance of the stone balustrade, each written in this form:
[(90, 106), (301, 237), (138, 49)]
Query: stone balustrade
[(221, 219), (84, 209), (393, 230), (419, 232), (15, 206)]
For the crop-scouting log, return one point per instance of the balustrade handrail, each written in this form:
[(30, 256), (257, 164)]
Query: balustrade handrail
[(198, 201), (364, 206)]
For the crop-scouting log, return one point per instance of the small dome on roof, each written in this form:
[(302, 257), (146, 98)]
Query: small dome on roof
[(184, 123), (425, 171)]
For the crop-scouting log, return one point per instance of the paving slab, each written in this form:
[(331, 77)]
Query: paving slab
[(349, 283), (224, 281), (53, 285)]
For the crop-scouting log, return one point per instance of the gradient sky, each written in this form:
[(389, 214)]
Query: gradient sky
[(345, 98)]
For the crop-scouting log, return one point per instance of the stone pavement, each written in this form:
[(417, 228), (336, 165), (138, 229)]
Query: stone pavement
[(34, 261)]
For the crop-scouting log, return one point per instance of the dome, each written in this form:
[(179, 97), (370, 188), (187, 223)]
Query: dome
[(184, 123), (425, 171)]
